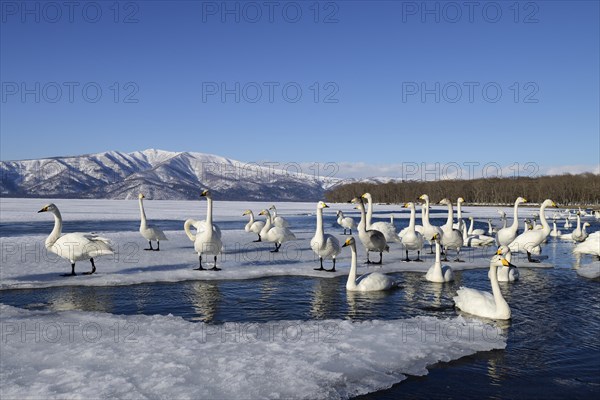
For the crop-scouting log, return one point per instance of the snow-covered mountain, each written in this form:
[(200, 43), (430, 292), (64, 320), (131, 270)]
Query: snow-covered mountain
[(158, 174)]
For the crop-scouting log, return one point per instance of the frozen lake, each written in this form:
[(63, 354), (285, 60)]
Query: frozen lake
[(184, 333)]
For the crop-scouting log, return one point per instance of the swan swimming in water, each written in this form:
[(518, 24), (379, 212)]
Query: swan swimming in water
[(412, 240), (324, 245), (370, 282), (275, 234), (206, 241), (253, 226), (372, 239), (345, 222), (505, 236), (508, 273), (75, 246), (149, 232), (485, 304), (439, 273)]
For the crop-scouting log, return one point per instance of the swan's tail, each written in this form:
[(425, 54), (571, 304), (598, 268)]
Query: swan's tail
[(186, 228)]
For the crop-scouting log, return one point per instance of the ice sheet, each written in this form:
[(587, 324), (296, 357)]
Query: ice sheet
[(76, 354)]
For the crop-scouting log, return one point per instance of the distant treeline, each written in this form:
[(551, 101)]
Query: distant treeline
[(582, 189)]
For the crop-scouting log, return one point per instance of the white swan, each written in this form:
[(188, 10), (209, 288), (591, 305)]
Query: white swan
[(505, 236), (491, 230), (275, 234), (508, 273), (579, 234), (372, 239), (149, 232), (472, 231), (531, 240), (324, 245), (503, 218), (345, 222), (451, 238), (253, 226), (460, 222), (277, 220), (75, 246), (437, 272), (207, 240), (388, 229), (429, 230), (412, 240), (201, 225), (485, 304), (567, 224), (591, 245), (476, 240), (370, 282), (555, 232)]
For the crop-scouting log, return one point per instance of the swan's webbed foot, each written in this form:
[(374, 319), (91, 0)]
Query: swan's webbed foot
[(71, 274), (93, 268), (319, 269), (149, 244), (277, 246), (531, 260), (215, 268), (406, 259), (199, 264), (199, 269), (333, 268)]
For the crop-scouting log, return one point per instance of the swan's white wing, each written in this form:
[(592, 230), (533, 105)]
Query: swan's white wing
[(374, 281), (81, 246), (257, 226), (201, 226), (152, 232), (280, 222), (388, 230), (528, 241), (475, 302)]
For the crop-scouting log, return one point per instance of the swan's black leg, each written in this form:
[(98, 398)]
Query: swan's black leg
[(72, 271), (259, 239), (407, 259), (532, 260), (458, 256), (418, 256), (332, 269), (157, 246), (199, 262), (93, 268), (344, 231), (214, 268), (277, 246), (149, 244), (431, 248), (445, 254), (320, 269), (368, 261), (351, 231)]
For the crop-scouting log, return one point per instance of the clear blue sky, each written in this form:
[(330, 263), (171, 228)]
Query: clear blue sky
[(374, 58)]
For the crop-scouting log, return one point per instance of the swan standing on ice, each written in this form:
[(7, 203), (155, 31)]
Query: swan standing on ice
[(324, 245), (508, 273), (531, 240), (412, 240), (276, 220), (505, 236), (451, 238), (275, 234), (429, 230), (370, 282), (345, 222), (485, 304), (372, 239), (439, 273), (253, 226), (388, 229), (206, 240), (149, 232), (74, 246)]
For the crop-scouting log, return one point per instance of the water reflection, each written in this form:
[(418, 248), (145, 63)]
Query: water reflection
[(73, 298), (325, 301), (204, 298)]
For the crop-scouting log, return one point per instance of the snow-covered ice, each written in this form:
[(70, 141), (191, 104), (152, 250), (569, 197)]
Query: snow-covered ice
[(75, 354), (26, 264)]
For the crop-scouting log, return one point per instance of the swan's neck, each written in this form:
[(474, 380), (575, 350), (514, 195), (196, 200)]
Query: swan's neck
[(545, 225), (319, 233), (503, 222), (501, 304), (554, 227), (56, 231), (438, 256), (490, 228), (369, 212), (351, 283), (425, 216), (143, 222), (464, 234), (578, 222), (209, 216), (186, 227), (267, 222), (515, 224), (471, 226), (459, 212), (411, 224), (450, 219), (340, 217), (251, 218), (363, 219)]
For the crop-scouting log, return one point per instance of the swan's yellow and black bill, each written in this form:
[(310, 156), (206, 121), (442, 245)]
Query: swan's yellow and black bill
[(505, 263), (498, 252), (348, 242), (325, 205), (204, 193), (43, 209)]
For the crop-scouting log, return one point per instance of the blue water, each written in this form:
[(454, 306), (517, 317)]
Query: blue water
[(553, 348)]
